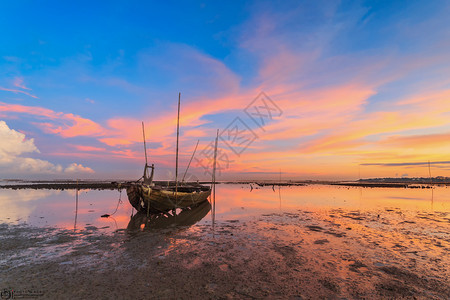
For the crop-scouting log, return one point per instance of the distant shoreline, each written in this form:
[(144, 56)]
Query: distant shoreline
[(112, 185)]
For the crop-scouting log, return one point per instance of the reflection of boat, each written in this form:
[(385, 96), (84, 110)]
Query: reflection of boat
[(186, 217)]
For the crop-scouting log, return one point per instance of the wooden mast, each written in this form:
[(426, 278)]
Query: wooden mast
[(145, 152), (214, 179), (176, 159), (182, 180)]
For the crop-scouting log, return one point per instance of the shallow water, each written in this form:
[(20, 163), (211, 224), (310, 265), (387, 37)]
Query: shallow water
[(56, 208), (313, 240)]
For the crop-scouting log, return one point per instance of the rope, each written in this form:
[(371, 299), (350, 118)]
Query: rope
[(118, 202), (117, 207)]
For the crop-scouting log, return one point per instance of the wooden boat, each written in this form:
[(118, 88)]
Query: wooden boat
[(147, 197), (156, 199)]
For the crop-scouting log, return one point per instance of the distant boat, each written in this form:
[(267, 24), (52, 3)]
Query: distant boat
[(147, 197)]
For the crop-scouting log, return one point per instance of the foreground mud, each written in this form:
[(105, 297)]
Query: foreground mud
[(292, 255)]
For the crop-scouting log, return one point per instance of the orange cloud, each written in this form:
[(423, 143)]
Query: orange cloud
[(419, 141), (89, 148), (79, 127)]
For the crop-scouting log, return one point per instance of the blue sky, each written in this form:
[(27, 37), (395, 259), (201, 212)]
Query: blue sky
[(359, 82)]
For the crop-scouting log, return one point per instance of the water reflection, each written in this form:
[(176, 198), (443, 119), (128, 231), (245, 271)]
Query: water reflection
[(186, 217), (53, 208)]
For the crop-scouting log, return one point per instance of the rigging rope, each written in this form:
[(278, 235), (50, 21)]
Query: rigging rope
[(117, 207)]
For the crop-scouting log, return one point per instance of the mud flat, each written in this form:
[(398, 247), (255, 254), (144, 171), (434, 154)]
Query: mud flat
[(102, 185), (333, 254), (63, 186)]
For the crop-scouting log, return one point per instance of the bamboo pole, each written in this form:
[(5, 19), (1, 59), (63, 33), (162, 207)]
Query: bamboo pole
[(76, 208), (429, 172), (145, 146), (214, 178), (176, 159), (190, 161), (279, 189), (145, 152)]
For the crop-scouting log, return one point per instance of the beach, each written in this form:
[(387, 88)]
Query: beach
[(294, 250)]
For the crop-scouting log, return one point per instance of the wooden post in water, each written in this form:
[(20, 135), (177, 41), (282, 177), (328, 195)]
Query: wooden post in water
[(214, 179), (76, 208), (429, 172), (182, 180), (279, 189), (176, 159)]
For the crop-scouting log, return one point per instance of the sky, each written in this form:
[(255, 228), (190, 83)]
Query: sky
[(322, 90)]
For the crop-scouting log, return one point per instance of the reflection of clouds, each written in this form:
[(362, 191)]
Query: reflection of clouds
[(232, 198), (17, 204), (73, 192), (25, 195)]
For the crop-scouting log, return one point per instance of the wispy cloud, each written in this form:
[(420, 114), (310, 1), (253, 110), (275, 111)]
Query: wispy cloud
[(426, 163), (18, 92), (18, 82)]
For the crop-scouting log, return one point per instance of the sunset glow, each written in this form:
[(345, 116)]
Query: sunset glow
[(357, 89)]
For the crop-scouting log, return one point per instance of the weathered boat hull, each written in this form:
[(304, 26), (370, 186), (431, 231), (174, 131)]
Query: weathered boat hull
[(157, 199)]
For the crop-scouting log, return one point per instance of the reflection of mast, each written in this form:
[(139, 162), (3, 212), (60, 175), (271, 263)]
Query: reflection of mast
[(432, 199), (213, 194), (360, 196), (279, 189), (76, 208)]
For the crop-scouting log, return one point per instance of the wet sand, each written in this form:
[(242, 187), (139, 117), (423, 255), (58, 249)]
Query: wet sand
[(301, 254)]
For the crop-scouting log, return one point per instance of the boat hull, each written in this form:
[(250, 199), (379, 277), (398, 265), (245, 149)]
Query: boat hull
[(157, 199)]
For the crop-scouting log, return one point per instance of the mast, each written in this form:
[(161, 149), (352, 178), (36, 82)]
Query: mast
[(182, 180), (145, 146), (146, 179), (214, 178), (176, 159)]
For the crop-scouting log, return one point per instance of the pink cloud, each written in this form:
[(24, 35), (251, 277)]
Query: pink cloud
[(89, 148), (18, 91), (18, 82), (64, 124)]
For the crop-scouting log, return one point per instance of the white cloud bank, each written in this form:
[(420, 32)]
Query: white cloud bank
[(13, 147)]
